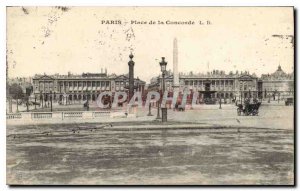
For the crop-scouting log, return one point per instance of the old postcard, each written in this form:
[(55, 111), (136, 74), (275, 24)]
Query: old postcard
[(150, 96)]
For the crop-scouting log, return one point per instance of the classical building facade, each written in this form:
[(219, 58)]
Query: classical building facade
[(81, 87), (278, 84), (230, 86)]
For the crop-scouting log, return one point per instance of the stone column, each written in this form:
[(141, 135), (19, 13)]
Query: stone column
[(131, 77)]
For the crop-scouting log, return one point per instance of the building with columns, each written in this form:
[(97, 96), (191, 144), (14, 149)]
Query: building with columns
[(74, 88), (230, 86), (278, 84)]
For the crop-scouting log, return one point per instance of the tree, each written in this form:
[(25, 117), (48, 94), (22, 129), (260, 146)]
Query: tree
[(7, 89), (15, 91), (8, 97)]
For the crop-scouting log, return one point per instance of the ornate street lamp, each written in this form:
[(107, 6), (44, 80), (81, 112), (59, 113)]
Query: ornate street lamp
[(163, 66)]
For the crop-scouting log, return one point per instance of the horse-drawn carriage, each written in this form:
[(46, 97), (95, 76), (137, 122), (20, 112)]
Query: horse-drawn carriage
[(248, 109)]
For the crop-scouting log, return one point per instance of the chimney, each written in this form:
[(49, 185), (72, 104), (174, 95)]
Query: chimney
[(101, 70)]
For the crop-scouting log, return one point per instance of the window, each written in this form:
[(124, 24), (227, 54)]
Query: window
[(213, 82)]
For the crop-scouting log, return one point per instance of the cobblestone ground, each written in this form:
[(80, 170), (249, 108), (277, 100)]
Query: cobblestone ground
[(56, 154)]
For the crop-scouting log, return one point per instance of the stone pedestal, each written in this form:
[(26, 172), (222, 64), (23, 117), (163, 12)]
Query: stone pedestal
[(164, 114), (57, 115), (87, 115), (26, 116)]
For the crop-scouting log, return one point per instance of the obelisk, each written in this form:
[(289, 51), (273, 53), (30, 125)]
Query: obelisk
[(175, 66)]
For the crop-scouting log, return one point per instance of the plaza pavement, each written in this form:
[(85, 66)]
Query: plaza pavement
[(271, 115)]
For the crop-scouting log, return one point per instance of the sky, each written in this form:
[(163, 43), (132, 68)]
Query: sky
[(51, 40)]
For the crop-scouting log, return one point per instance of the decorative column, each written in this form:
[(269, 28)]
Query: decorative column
[(131, 77)]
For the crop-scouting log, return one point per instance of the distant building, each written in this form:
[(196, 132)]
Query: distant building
[(81, 87), (230, 86), (278, 84)]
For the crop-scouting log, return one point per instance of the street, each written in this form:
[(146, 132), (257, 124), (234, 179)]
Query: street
[(58, 154)]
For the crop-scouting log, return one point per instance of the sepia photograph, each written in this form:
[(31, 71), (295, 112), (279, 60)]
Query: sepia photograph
[(150, 95)]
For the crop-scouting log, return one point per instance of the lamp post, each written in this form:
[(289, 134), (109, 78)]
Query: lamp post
[(51, 101), (158, 108), (149, 113), (27, 103), (87, 101), (163, 66), (220, 102), (41, 99), (17, 106), (34, 102)]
